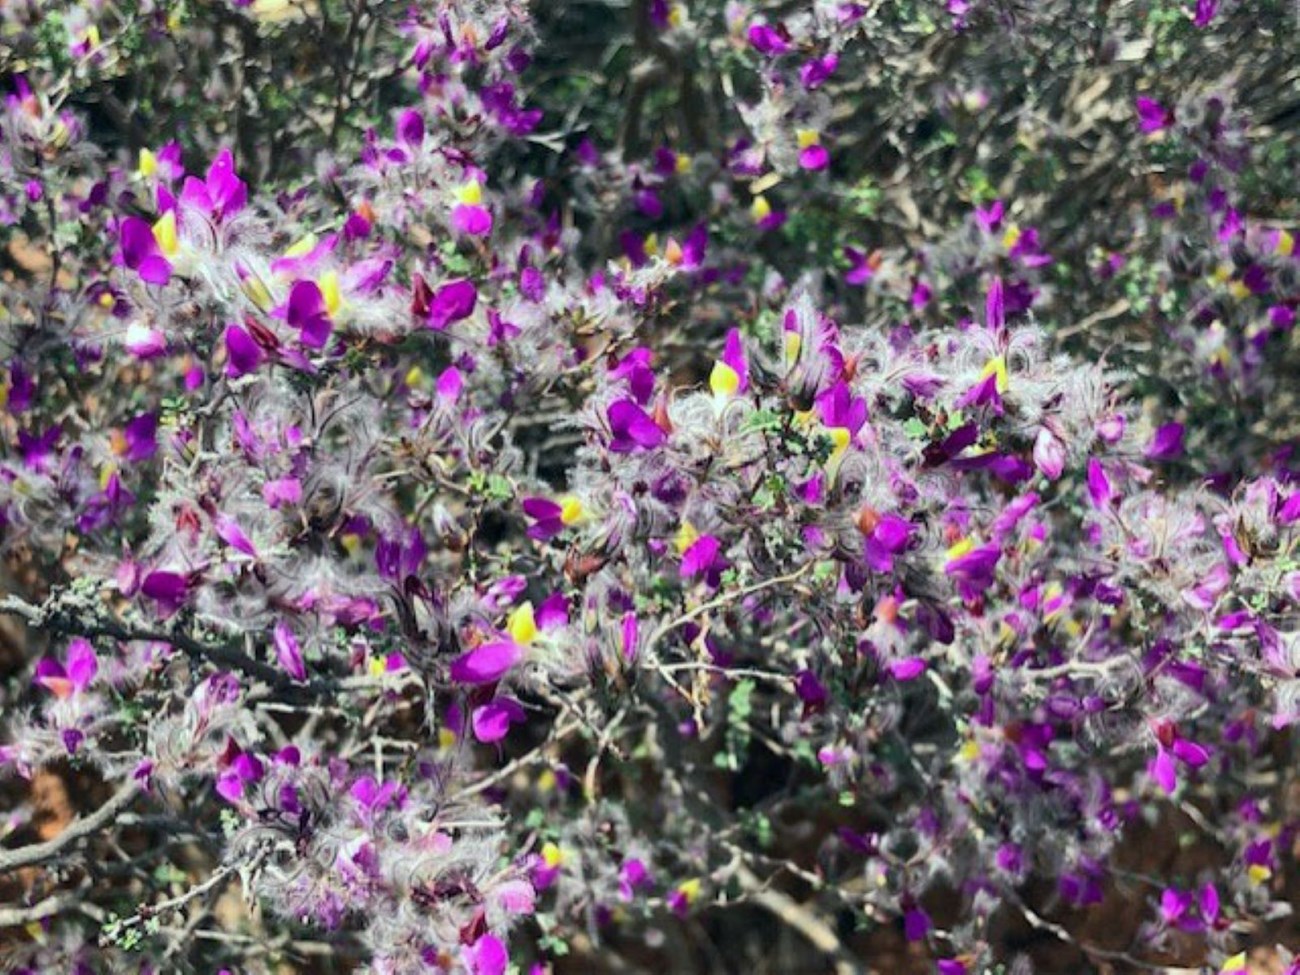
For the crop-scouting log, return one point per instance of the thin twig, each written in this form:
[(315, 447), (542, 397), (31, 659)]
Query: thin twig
[(37, 853)]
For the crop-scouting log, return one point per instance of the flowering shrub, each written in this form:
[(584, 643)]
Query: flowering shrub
[(493, 485)]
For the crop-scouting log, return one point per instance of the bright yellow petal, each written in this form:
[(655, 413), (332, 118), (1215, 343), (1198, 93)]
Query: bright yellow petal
[(329, 289), (164, 232), (723, 380), (522, 624), (570, 510), (687, 535), (997, 366)]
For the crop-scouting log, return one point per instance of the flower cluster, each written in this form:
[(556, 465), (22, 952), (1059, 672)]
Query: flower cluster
[(480, 509)]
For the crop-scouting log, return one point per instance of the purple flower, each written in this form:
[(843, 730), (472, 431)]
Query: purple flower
[(702, 556), (634, 369), (632, 876), (306, 312), (410, 127), (228, 531), (140, 437), (472, 219), (75, 675), (1152, 116), (1204, 13), (814, 73), (21, 388), (222, 193), (1166, 443), (633, 429), (243, 355), (452, 302), (399, 559), (863, 265), (486, 664), (908, 668), (38, 450), (288, 652), (168, 589), (282, 491), (814, 158), (487, 956), (973, 571), (769, 40), (1099, 486), (491, 722), (812, 692), (631, 637), (242, 770), (1049, 454), (916, 924), (141, 253)]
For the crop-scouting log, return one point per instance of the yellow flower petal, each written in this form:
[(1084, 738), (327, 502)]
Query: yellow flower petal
[(164, 232), (329, 289), (301, 247), (997, 366), (522, 624), (570, 510), (148, 163), (687, 535), (960, 549), (807, 137), (471, 194), (792, 343), (760, 209), (723, 380)]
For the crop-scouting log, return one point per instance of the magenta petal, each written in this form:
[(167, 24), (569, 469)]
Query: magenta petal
[(288, 652), (49, 670), (1162, 770), (487, 956), (492, 721), (633, 428), (814, 158), (228, 531), (1190, 753), (141, 436), (476, 221), (487, 663), (137, 241), (242, 353), (1099, 488), (410, 127), (631, 636), (451, 303), (541, 508), (166, 587), (285, 490), (230, 786), (227, 191), (1167, 443), (892, 533), (553, 612), (700, 556), (306, 312), (909, 668), (155, 270), (83, 665)]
